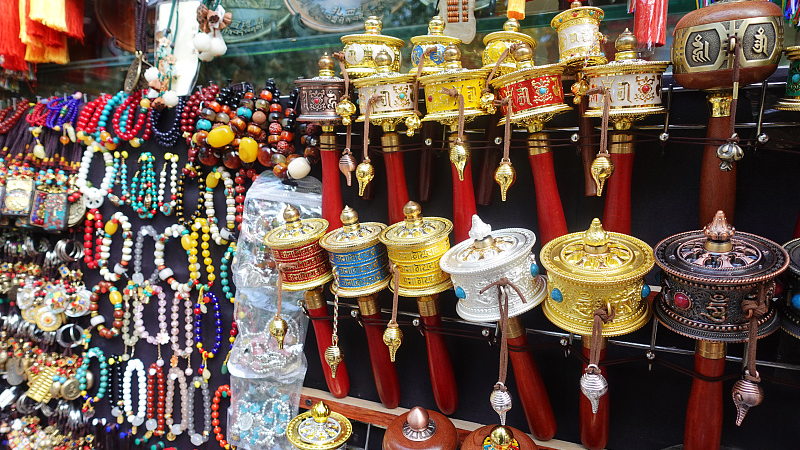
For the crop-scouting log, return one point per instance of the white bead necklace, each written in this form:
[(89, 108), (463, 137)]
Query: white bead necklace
[(127, 396), (168, 207), (95, 196)]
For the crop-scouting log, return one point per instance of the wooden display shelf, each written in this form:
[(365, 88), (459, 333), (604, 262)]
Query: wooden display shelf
[(376, 414)]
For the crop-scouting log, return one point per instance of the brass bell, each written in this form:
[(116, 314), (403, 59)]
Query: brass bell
[(459, 155), (346, 109), (412, 124), (364, 174), (505, 176), (347, 164), (602, 169), (278, 329), (392, 337), (333, 356)]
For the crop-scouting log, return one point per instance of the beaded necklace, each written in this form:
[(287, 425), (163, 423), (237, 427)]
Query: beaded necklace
[(190, 170), (105, 249), (224, 266), (170, 137), (189, 115), (168, 207), (95, 196), (133, 113), (181, 293), (223, 391), (220, 237), (63, 110), (189, 241), (9, 121), (89, 118), (145, 193), (200, 308), (115, 389), (100, 134)]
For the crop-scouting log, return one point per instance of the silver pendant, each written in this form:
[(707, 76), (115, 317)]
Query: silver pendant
[(746, 394), (501, 401), (593, 387)]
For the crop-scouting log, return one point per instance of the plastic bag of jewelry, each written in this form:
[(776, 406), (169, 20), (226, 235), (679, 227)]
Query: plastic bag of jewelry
[(260, 412), (255, 352), (266, 199)]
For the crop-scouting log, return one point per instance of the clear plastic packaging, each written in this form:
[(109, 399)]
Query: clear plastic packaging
[(260, 411)]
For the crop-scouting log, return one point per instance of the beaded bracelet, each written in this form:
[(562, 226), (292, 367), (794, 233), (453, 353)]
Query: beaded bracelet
[(200, 308), (222, 391), (136, 420), (175, 429), (98, 320), (105, 249), (155, 394), (88, 400), (198, 439)]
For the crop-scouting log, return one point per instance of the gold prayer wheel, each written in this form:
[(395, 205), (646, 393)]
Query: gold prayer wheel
[(497, 42), (319, 429), (435, 38), (579, 36), (634, 84), (361, 49), (535, 92), (357, 256), (415, 246), (295, 246), (791, 100), (587, 271), (397, 96), (470, 83)]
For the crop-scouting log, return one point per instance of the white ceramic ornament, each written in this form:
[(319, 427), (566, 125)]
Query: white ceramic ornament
[(170, 98), (218, 47), (202, 42), (152, 93), (151, 74), (205, 56)]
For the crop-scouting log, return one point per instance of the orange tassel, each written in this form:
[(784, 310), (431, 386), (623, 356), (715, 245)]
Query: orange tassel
[(12, 49), (516, 9), (75, 19)]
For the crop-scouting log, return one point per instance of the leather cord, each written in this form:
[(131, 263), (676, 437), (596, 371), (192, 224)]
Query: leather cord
[(425, 54), (601, 315), (395, 295), (453, 92), (755, 310), (502, 304), (604, 126), (340, 57), (367, 109)]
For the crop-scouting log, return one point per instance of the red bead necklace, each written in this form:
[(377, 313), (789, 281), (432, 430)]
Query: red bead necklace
[(90, 114), (94, 221), (222, 391), (133, 106), (156, 393), (10, 121)]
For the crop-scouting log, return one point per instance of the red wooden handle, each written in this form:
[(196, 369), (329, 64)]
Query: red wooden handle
[(443, 379), (704, 412), (549, 211), (463, 202), (796, 233), (617, 212), (717, 188), (383, 369), (331, 186), (323, 329), (532, 392), (588, 151), (426, 161), (490, 158), (396, 185), (594, 426)]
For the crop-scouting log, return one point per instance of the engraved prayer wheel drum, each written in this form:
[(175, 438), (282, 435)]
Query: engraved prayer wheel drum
[(497, 437), (359, 260), (319, 429), (436, 38), (485, 258), (319, 95), (358, 48), (789, 306), (634, 84), (415, 246), (707, 274), (791, 100), (579, 36), (702, 55), (497, 42), (396, 91), (295, 246), (536, 92), (421, 429), (596, 268), (470, 83)]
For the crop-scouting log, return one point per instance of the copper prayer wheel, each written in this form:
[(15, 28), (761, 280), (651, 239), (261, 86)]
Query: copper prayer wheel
[(319, 429), (433, 63), (320, 95), (421, 429), (789, 305), (361, 49), (295, 246), (498, 437), (496, 42), (579, 36)]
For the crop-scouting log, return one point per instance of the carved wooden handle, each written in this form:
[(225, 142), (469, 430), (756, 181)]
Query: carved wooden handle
[(594, 426), (383, 369), (395, 182), (717, 188), (331, 186), (549, 210), (704, 412), (323, 329), (617, 212), (443, 379), (531, 390)]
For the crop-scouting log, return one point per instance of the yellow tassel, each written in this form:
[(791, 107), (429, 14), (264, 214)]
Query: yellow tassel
[(50, 13)]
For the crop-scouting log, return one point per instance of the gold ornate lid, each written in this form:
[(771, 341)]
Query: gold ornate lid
[(597, 256), (352, 235), (384, 73), (576, 12), (435, 35), (525, 68), (296, 232), (626, 61), (793, 53), (372, 34), (319, 429), (416, 231), (327, 74), (452, 70), (496, 42)]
